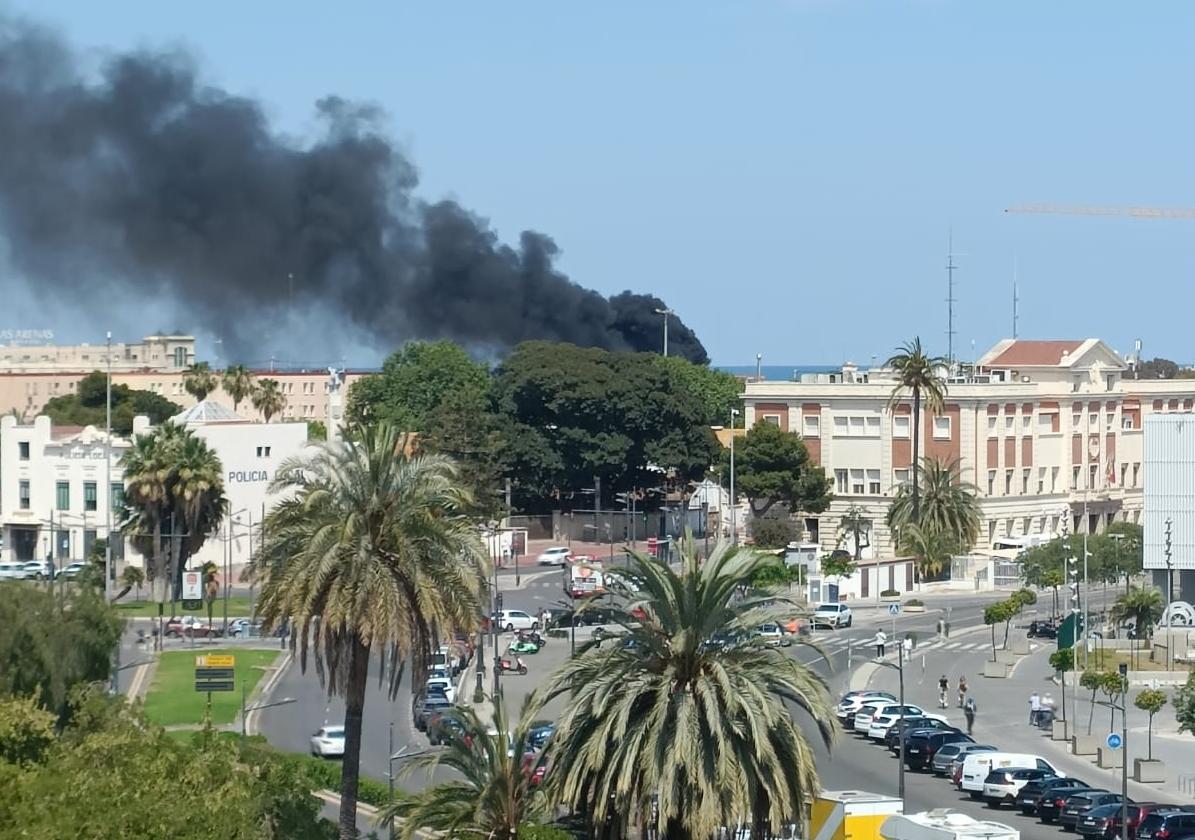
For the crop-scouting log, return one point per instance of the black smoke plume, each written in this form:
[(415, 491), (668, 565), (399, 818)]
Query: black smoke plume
[(152, 184)]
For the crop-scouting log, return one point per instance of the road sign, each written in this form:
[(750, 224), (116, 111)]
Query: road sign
[(192, 586), (1113, 741), (894, 609), (216, 660), (215, 679)]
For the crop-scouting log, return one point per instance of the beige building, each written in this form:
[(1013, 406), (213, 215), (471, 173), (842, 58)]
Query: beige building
[(1049, 431), (154, 352)]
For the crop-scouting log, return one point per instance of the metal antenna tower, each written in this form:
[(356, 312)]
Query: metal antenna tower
[(950, 299), (1015, 299)]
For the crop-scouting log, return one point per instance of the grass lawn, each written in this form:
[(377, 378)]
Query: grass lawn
[(1110, 660), (239, 606), (172, 698)]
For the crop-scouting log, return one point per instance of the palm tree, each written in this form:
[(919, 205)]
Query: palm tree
[(932, 548), (496, 793), (1144, 606), (369, 554), (238, 384), (917, 373), (268, 398), (133, 577), (949, 505), (200, 380), (174, 499), (685, 720)]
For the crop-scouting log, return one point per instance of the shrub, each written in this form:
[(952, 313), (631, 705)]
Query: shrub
[(914, 602), (889, 593), (772, 531)]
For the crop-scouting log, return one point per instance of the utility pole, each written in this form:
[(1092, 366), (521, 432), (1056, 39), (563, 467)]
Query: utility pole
[(734, 529), (109, 569), (1169, 593), (665, 312), (950, 299)]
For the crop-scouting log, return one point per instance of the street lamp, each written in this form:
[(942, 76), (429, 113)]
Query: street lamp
[(758, 367), (734, 529), (665, 312), (1124, 750), (395, 756), (257, 707), (899, 667)]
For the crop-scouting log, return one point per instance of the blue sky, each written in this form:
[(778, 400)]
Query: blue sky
[(784, 174)]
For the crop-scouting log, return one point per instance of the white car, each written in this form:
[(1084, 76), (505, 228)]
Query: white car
[(881, 723), (328, 742), (773, 635), (977, 766), (442, 685), (511, 620), (37, 570), (12, 571), (557, 555), (832, 615), (854, 700), (878, 708)]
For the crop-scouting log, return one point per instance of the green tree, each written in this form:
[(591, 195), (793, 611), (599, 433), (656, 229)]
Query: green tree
[(772, 531), (49, 643), (949, 506), (174, 499), (1184, 705), (1143, 606), (1113, 685), (88, 405), (1091, 680), (854, 524), (26, 730), (464, 427), (238, 383), (838, 564), (1063, 661), (268, 398), (775, 574), (317, 430), (413, 384), (917, 374), (704, 730), (772, 465), (494, 795), (993, 614), (368, 555), (715, 390), (133, 578), (932, 548), (200, 380), (1150, 701), (1120, 550)]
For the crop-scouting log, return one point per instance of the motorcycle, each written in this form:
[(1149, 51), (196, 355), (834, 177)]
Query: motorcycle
[(532, 636), (523, 646), (511, 666)]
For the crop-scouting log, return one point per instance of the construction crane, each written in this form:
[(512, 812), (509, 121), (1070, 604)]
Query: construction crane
[(1088, 210)]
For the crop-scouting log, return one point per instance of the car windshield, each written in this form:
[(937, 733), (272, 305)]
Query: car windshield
[(334, 732)]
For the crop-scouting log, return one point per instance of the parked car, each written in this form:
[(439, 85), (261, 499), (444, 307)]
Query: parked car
[(1166, 824), (1053, 800), (244, 628), (37, 570), (883, 715), (773, 635), (949, 752), (1101, 822), (441, 726), (1080, 803), (592, 617), (832, 615), (1137, 812), (1003, 784), (1042, 630), (511, 620), (977, 766), (12, 571), (442, 686), (427, 707), (1031, 794), (915, 725), (922, 745), (537, 736), (72, 571), (328, 742), (557, 555), (852, 701)]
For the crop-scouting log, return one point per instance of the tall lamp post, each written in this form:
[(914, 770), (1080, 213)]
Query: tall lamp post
[(899, 667), (734, 527), (109, 569), (666, 313), (1124, 747)]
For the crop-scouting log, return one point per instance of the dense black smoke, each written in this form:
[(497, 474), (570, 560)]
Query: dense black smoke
[(174, 190)]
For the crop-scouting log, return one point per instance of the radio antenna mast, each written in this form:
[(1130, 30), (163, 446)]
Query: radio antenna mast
[(1015, 299), (950, 299)]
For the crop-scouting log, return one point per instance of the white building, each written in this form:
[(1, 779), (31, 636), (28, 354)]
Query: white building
[(54, 496), (1170, 497)]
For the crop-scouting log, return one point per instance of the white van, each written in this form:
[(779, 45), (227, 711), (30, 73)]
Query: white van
[(976, 767)]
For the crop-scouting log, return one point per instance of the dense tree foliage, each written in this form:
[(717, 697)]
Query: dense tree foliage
[(1162, 369), (772, 531), (414, 383), (949, 506), (1116, 555), (574, 413), (51, 642), (715, 390), (771, 465), (917, 374), (87, 406)]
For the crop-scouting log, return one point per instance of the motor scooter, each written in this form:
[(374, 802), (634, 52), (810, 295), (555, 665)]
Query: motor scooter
[(523, 646), (515, 665), (532, 636)]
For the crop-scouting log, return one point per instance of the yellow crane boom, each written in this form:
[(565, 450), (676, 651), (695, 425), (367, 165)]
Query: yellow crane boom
[(1089, 210)]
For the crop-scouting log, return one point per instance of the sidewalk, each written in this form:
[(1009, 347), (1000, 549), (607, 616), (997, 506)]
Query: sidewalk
[(1004, 711)]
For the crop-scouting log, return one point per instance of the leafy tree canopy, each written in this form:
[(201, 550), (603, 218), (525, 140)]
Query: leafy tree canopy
[(87, 406), (773, 466), (414, 383), (574, 413), (1162, 369), (772, 531), (715, 390)]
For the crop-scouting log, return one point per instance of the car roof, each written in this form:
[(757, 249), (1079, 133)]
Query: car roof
[(332, 730)]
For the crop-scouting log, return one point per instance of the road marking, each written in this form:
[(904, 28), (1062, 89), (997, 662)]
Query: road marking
[(263, 692)]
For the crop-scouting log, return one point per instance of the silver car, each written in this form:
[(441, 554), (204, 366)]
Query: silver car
[(947, 754), (328, 742)]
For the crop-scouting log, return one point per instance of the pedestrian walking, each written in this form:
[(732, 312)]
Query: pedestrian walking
[(907, 644), (962, 691), (969, 710), (1034, 708), (881, 643), (943, 692), (1045, 717)]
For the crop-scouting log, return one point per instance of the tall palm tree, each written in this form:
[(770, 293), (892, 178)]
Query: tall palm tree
[(932, 548), (685, 720), (495, 794), (174, 499), (238, 384), (1145, 606), (200, 380), (268, 398), (949, 505), (369, 554), (917, 373)]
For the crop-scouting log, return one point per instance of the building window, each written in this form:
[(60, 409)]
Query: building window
[(1025, 482), (857, 426), (62, 499), (1075, 478), (942, 428), (88, 542), (841, 427), (840, 481), (1093, 420), (89, 497), (873, 426), (1026, 423), (62, 544), (1009, 424), (1124, 472), (873, 482), (811, 425), (1076, 420), (1109, 419), (991, 425), (1093, 476), (24, 495), (991, 482), (117, 542), (1041, 480), (116, 497), (1126, 422), (1008, 482), (857, 482), (23, 449), (991, 530), (900, 477), (900, 426), (772, 419), (1045, 424), (1054, 479), (264, 451)]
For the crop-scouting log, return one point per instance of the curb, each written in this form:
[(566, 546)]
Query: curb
[(264, 689)]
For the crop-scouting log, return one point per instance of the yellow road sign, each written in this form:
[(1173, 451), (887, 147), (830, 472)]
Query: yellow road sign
[(216, 660)]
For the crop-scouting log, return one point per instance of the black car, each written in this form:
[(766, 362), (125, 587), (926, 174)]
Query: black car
[(1079, 804), (428, 707), (1029, 797), (923, 744), (1100, 821), (910, 725), (1052, 800), (1043, 630), (1166, 825), (563, 619)]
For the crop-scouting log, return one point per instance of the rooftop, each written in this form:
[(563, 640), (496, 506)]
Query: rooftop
[(205, 412), (1018, 353)]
